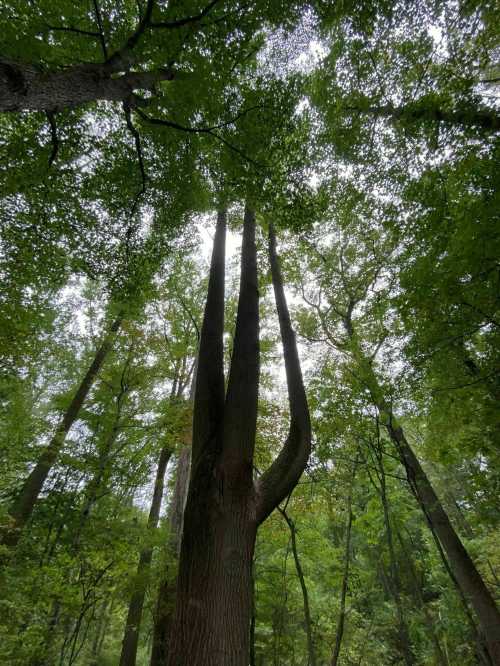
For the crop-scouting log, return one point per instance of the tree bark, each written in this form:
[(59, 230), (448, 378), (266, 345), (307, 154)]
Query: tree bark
[(224, 506), (131, 637), (460, 562), (305, 596), (23, 506), (25, 87)]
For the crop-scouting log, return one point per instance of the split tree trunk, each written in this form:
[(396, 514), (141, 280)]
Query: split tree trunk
[(23, 506), (224, 506), (131, 637)]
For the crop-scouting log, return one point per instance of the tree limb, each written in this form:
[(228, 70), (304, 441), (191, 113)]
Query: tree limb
[(282, 476)]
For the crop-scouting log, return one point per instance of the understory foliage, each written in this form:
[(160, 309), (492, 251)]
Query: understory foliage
[(367, 133)]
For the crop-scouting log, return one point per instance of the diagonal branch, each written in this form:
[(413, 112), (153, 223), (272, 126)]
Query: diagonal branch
[(203, 130), (102, 39), (282, 476), (178, 23), (121, 59)]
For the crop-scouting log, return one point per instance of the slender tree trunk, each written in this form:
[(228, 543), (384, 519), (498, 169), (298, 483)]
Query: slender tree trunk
[(394, 579), (441, 658), (462, 566), (305, 597), (131, 637), (345, 576), (166, 592), (23, 506)]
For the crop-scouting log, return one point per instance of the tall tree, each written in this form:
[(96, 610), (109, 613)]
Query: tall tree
[(224, 506)]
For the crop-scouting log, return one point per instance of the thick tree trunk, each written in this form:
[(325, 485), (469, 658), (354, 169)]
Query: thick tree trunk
[(211, 625), (305, 596), (345, 576), (23, 506), (26, 87), (131, 637), (224, 506)]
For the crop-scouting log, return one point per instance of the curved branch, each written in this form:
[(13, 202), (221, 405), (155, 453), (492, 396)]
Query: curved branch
[(282, 476)]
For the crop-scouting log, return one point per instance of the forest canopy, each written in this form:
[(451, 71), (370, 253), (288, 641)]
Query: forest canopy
[(249, 333)]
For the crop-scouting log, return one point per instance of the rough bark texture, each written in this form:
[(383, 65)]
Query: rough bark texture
[(283, 475), (131, 637), (23, 506), (27, 87), (214, 591)]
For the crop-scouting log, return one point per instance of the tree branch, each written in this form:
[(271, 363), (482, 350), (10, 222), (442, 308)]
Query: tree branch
[(186, 20), (282, 476), (53, 136), (138, 147)]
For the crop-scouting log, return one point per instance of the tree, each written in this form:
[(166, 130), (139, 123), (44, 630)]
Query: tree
[(224, 507)]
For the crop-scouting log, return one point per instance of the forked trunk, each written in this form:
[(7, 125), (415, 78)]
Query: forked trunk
[(224, 507)]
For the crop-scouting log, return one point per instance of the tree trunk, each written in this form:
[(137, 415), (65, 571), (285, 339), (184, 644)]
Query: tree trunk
[(461, 564), (23, 506), (305, 597), (26, 87), (345, 576), (463, 568), (131, 636), (166, 593), (394, 579), (224, 506), (428, 111), (441, 658)]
